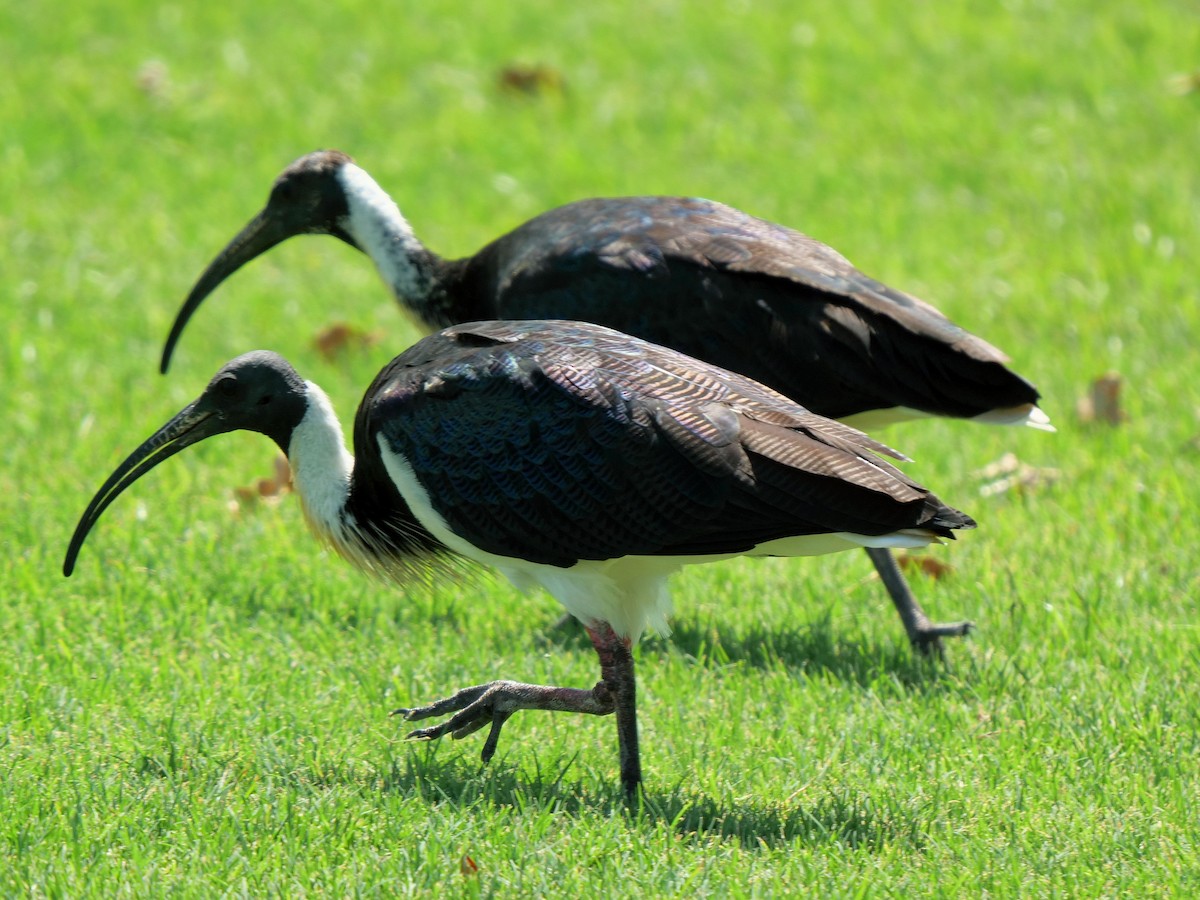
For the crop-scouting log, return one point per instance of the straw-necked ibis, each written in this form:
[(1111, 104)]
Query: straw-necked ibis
[(565, 455), (700, 277)]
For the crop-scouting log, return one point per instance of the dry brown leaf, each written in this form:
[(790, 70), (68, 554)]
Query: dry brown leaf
[(264, 490), (1010, 474), (1102, 403), (340, 337), (282, 482), (925, 564), (154, 79), (519, 78)]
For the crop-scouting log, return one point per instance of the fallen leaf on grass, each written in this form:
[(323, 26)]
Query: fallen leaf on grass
[(264, 491), (927, 565), (1010, 474), (154, 79), (340, 337), (1102, 403), (518, 78)]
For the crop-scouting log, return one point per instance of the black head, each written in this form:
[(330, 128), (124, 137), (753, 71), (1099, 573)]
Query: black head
[(306, 198), (258, 391)]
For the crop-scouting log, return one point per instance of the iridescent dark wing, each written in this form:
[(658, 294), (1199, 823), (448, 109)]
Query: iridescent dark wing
[(747, 295), (559, 441)]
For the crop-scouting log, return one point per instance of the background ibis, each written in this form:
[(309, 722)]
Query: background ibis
[(700, 277), (565, 455)]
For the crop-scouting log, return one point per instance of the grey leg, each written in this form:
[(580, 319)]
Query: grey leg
[(925, 635)]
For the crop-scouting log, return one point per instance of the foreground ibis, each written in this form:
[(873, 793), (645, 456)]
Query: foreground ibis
[(564, 455), (698, 276)]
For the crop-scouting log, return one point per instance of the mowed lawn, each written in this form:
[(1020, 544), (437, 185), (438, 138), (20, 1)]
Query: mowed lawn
[(202, 709)]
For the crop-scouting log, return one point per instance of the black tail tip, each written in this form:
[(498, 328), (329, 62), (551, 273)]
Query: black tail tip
[(951, 520)]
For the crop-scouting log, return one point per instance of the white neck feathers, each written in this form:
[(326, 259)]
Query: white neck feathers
[(381, 231), (321, 466)]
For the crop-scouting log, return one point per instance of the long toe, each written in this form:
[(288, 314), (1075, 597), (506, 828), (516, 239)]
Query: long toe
[(928, 638), (489, 746), (463, 723), (494, 704), (453, 703)]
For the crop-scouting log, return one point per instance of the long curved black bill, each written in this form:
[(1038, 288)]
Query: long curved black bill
[(262, 233), (191, 425)]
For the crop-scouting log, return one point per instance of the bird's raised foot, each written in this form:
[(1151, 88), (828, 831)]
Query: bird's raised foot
[(494, 703), (927, 637)]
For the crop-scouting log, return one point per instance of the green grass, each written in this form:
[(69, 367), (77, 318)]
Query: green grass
[(201, 710)]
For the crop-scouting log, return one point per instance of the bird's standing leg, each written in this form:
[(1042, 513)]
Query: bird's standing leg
[(494, 703), (617, 677), (925, 635)]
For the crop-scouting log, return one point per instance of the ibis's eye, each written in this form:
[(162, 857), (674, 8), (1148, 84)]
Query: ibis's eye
[(226, 386), (284, 191)]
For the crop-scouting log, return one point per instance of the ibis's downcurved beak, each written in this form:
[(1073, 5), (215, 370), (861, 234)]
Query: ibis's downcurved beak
[(192, 425), (262, 233)]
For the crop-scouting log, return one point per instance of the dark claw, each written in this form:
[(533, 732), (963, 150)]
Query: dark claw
[(424, 734), (454, 703)]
